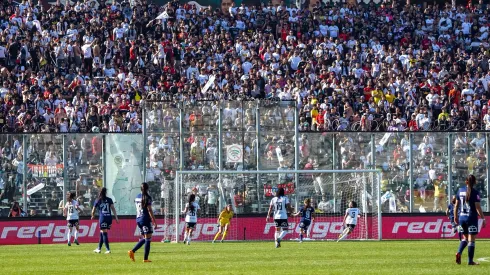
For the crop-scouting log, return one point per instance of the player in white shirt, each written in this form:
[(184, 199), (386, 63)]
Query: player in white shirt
[(71, 211), (190, 211), (281, 206), (350, 220)]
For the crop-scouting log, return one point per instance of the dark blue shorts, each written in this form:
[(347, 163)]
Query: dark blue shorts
[(145, 228), (469, 225), (105, 223), (304, 224)]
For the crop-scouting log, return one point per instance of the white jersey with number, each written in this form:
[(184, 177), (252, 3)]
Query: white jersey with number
[(71, 210), (352, 214), (280, 210), (191, 215)]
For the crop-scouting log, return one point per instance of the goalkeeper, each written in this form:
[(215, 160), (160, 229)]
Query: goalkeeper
[(224, 222)]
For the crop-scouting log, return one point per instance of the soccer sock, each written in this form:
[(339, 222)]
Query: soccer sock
[(185, 236), (224, 235), (216, 236), (276, 235), (301, 236), (101, 240), (460, 236), (283, 233), (106, 240), (147, 248), (471, 251), (68, 236), (76, 234), (462, 246), (139, 244), (343, 237)]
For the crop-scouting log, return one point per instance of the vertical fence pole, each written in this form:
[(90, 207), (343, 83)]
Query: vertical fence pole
[(411, 166), (335, 167), (487, 180), (65, 167), (449, 166), (296, 152), (104, 166), (220, 156), (257, 151), (145, 140), (24, 171)]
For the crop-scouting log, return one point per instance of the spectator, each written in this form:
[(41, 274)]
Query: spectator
[(52, 205)]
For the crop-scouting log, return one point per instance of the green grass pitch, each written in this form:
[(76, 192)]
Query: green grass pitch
[(385, 257)]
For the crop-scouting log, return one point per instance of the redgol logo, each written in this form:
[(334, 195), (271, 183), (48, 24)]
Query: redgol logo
[(439, 226), (57, 232)]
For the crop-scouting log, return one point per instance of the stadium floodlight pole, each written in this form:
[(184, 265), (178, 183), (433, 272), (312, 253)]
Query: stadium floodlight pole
[(487, 137), (65, 167), (24, 171), (410, 170), (145, 139), (449, 166)]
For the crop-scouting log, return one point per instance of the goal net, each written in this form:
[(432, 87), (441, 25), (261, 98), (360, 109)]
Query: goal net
[(250, 192)]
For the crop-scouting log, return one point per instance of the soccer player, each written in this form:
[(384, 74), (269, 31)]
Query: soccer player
[(350, 220), (307, 213), (190, 211), (466, 211), (145, 221), (106, 208), (280, 204), (450, 215), (71, 212), (224, 222)]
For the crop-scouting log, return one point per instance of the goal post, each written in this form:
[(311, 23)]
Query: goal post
[(250, 192)]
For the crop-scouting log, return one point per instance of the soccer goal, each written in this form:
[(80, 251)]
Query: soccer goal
[(249, 193)]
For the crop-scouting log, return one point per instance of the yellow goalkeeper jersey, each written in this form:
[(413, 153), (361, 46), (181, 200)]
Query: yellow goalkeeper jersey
[(225, 216)]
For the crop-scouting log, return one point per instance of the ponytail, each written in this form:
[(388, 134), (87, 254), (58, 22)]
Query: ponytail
[(103, 193), (470, 182), (192, 198), (145, 197)]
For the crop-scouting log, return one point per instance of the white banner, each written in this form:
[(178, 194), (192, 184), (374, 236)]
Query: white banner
[(208, 84), (35, 189), (234, 153), (163, 15)]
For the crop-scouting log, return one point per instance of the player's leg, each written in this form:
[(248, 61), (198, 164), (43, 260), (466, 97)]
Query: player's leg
[(189, 236), (463, 243), (147, 246), (101, 241), (139, 244), (225, 232), (77, 227), (68, 235), (276, 236), (472, 232), (347, 231), (219, 233), (105, 237), (301, 234)]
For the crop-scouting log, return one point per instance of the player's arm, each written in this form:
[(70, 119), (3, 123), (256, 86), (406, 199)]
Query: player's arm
[(480, 213), (150, 212), (65, 210), (289, 208), (115, 213), (296, 214), (313, 216), (220, 216), (345, 217), (185, 209), (93, 213), (269, 212), (455, 210)]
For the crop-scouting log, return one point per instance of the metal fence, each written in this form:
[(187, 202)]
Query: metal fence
[(421, 170)]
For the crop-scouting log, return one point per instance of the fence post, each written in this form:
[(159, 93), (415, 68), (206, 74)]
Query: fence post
[(449, 166), (24, 171), (488, 172), (104, 144), (334, 164), (65, 167), (220, 157), (410, 167), (145, 141), (257, 151), (296, 152)]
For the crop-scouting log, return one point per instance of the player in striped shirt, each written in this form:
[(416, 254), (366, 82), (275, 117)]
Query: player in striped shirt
[(71, 212), (350, 220)]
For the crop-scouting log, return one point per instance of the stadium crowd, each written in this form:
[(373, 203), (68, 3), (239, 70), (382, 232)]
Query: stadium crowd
[(88, 67), (71, 67)]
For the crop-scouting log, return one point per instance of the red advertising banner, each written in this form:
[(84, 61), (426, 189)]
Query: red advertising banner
[(14, 232), (270, 191)]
